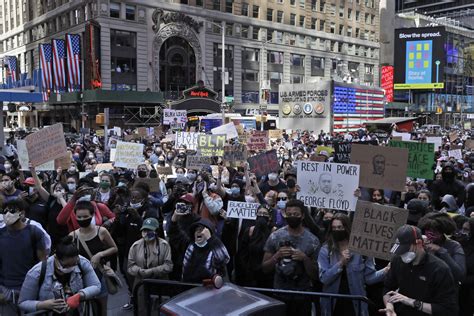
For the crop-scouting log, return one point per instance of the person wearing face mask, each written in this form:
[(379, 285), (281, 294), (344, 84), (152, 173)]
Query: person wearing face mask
[(448, 184), (54, 205), (71, 183), (436, 226), (94, 243), (22, 246), (149, 258), (7, 187), (290, 179), (281, 200), (466, 293), (59, 283), (36, 205), (344, 272), (8, 166), (377, 196), (106, 183), (418, 283), (291, 252), (273, 183)]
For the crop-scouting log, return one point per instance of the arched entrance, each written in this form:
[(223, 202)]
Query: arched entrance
[(177, 65)]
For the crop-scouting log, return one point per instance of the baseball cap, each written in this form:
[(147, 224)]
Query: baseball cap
[(188, 197), (406, 236), (29, 181), (151, 224)]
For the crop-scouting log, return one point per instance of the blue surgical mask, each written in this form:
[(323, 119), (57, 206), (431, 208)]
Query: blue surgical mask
[(235, 191), (71, 187), (136, 205), (281, 204), (148, 236)]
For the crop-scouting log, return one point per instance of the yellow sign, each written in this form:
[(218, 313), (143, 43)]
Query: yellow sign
[(406, 86)]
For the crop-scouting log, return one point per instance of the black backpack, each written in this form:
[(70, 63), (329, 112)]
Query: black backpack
[(43, 271)]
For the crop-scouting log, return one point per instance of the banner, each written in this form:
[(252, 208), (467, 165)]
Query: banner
[(175, 117), (46, 144), (342, 152), (190, 140), (420, 158), (381, 167), (242, 210), (211, 145), (257, 140), (264, 163), (128, 155), (196, 162), (227, 129), (374, 227), (328, 185)]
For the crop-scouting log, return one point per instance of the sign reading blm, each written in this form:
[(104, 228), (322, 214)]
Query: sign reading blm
[(374, 227), (328, 185)]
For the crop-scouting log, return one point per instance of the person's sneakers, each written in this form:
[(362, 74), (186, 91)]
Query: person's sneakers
[(127, 306)]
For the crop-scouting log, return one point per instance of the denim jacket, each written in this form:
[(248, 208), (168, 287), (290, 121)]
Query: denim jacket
[(32, 293), (360, 271)]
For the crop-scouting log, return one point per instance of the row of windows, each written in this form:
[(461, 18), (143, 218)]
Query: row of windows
[(279, 18), (115, 11)]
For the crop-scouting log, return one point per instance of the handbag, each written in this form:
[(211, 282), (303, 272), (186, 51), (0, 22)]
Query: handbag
[(112, 280)]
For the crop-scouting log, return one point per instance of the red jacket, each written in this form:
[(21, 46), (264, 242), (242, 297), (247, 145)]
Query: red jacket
[(67, 216)]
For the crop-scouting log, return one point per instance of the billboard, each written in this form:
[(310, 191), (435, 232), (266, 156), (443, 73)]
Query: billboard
[(386, 82), (419, 58), (306, 106)]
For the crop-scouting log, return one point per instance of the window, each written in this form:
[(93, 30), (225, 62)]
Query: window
[(250, 75), (293, 2), (296, 78), (245, 9), (322, 25), (333, 28), (274, 57), (275, 77), (317, 66), (302, 3), (278, 37), (301, 20), (292, 19), (269, 14), (122, 38), (130, 12), (341, 12), (244, 31), (349, 14), (357, 35), (296, 60), (123, 64), (255, 11), (229, 6), (372, 18), (270, 35), (314, 5), (321, 5), (216, 5), (341, 29), (367, 18), (349, 31), (229, 29), (280, 16), (114, 10), (255, 32), (314, 22), (357, 16), (250, 54), (199, 3), (279, 1)]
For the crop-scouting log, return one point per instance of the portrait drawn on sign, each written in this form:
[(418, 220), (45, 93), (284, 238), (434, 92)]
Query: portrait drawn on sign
[(378, 163)]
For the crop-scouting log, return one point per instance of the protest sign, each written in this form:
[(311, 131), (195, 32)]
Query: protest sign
[(128, 155), (243, 138), (381, 167), (453, 136), (457, 153), (167, 170), (169, 138), (342, 152), (258, 140), (196, 162), (328, 185), (469, 145), (64, 162), (117, 131), (142, 131), (153, 183), (190, 140), (404, 136), (374, 227), (174, 116), (226, 129), (275, 133), (327, 149), (242, 210), (158, 130), (420, 158), (100, 133), (25, 161), (437, 141), (103, 167), (211, 145), (264, 163), (46, 144), (235, 153), (112, 154)]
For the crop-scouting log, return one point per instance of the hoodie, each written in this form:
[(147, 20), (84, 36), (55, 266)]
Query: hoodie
[(447, 185)]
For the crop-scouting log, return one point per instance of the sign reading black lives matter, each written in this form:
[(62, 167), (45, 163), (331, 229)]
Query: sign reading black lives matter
[(374, 228), (242, 210), (328, 185)]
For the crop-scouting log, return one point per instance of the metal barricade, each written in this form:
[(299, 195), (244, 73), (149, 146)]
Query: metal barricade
[(169, 288)]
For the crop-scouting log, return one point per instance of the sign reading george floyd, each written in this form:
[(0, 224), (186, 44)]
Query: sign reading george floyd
[(328, 185), (211, 145), (374, 227), (264, 163), (420, 58), (242, 210), (46, 144), (420, 158), (381, 167)]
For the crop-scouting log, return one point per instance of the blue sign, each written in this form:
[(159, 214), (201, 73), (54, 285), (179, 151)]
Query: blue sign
[(24, 81), (419, 56)]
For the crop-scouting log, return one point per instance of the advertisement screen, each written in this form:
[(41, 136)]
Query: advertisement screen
[(419, 58)]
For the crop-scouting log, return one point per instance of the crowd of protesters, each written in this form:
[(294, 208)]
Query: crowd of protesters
[(63, 233)]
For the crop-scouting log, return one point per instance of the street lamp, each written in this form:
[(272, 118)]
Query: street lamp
[(222, 27)]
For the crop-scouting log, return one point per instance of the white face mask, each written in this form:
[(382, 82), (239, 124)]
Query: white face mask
[(11, 218), (272, 176), (201, 244), (64, 270), (408, 257), (249, 199)]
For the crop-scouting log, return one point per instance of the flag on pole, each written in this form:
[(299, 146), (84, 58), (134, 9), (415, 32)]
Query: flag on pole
[(11, 63), (73, 65), (59, 69), (45, 65)]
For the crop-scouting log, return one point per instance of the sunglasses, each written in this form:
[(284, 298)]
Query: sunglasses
[(282, 198), (11, 210)]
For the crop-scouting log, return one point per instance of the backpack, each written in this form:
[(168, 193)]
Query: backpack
[(44, 265)]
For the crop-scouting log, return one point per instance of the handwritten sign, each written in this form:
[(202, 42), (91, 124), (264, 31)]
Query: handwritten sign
[(46, 144), (174, 117), (25, 161), (374, 227), (166, 170), (275, 134), (457, 153), (227, 129), (453, 136), (242, 210), (103, 167), (211, 145), (328, 185), (420, 158), (153, 183), (235, 153), (342, 152), (190, 140), (258, 140), (381, 167), (128, 155), (264, 163), (196, 162)]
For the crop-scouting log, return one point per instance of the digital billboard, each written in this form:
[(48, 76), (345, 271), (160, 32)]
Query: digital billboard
[(419, 58), (386, 82)]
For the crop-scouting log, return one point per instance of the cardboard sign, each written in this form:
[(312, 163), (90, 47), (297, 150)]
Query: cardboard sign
[(235, 153), (374, 227), (381, 167), (64, 162), (258, 140), (420, 158), (453, 136), (211, 145), (196, 162), (157, 130), (174, 117), (275, 133), (328, 185), (342, 152), (153, 183), (457, 153), (437, 141), (469, 144), (227, 129), (242, 210), (264, 163), (404, 136), (142, 131), (100, 133), (103, 167), (25, 161), (128, 155), (164, 170), (190, 140), (46, 144)]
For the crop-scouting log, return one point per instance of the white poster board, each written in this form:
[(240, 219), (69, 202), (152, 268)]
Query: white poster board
[(171, 117), (190, 140), (227, 129), (128, 155), (242, 210), (437, 141), (328, 185), (457, 153), (404, 136)]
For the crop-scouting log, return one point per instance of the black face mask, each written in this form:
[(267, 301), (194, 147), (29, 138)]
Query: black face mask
[(448, 176), (291, 183), (84, 222), (326, 223), (294, 222), (409, 196), (141, 173), (261, 222), (339, 235)]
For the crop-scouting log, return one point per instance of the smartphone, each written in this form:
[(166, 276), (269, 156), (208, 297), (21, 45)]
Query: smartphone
[(182, 208)]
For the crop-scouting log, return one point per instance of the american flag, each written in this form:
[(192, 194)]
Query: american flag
[(352, 106), (45, 65), (73, 66), (59, 70), (11, 64)]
